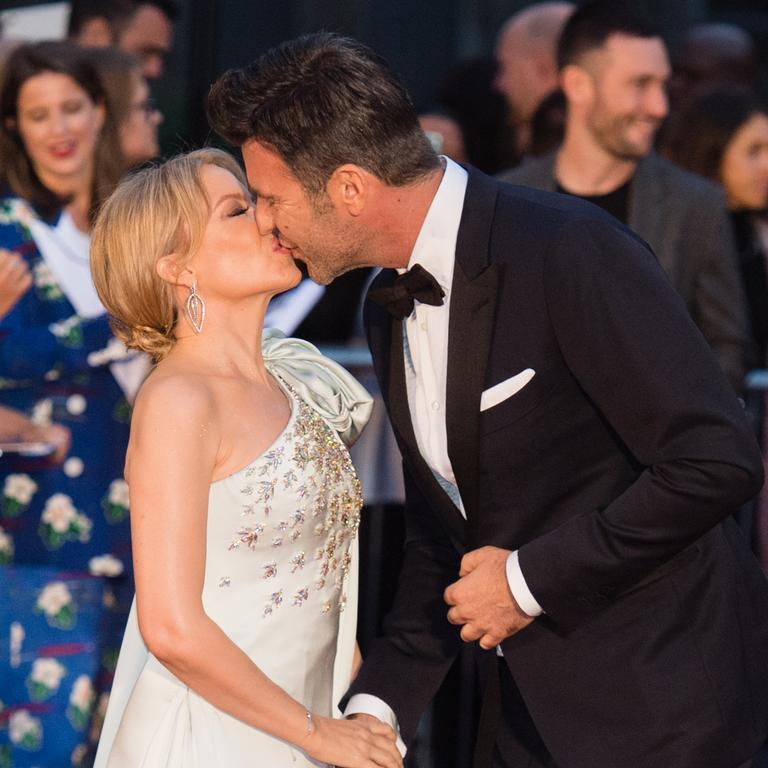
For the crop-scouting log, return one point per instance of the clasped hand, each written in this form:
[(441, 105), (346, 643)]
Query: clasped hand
[(481, 600)]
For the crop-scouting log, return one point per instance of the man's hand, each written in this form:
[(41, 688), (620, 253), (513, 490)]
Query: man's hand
[(481, 599)]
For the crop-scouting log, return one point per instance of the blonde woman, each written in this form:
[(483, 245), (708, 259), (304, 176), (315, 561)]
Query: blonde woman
[(244, 503)]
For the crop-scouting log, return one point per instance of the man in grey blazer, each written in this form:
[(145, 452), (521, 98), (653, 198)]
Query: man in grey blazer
[(614, 71)]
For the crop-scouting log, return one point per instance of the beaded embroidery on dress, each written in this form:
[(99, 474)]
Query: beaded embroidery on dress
[(280, 580)]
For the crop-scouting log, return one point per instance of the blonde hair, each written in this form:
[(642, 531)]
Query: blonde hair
[(155, 212)]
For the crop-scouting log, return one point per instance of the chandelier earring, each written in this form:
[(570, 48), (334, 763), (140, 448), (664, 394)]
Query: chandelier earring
[(195, 309)]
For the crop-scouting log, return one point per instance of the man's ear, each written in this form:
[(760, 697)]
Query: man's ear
[(95, 33), (577, 83), (349, 187)]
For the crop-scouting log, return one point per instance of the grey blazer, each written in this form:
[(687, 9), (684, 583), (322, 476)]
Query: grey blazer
[(684, 219)]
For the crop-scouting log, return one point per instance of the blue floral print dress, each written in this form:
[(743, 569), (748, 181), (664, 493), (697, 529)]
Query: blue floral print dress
[(65, 560)]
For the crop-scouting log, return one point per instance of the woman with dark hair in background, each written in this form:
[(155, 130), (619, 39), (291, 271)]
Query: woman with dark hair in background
[(721, 133), (59, 362), (128, 100)]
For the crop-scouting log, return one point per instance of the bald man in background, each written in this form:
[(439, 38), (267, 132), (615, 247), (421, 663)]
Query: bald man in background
[(526, 53)]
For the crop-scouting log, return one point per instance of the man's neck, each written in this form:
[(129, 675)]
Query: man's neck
[(584, 168), (404, 212)]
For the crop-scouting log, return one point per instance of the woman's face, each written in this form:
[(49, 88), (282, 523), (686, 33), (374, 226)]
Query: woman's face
[(59, 125), (744, 167), (138, 132), (234, 260)]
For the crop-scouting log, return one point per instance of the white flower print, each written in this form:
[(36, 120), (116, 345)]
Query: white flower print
[(46, 283), (105, 565), (45, 678), (118, 493), (54, 597), (56, 602), (59, 512), (81, 701), (61, 522), (76, 404), (20, 488), (116, 502), (24, 730), (49, 672)]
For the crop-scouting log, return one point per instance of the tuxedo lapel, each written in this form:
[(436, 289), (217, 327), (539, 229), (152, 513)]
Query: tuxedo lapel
[(473, 305), (470, 330)]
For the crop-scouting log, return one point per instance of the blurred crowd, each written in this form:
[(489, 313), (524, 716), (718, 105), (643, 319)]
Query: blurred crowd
[(674, 143)]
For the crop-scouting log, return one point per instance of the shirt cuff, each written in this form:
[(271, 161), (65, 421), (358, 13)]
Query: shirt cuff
[(366, 704), (518, 586)]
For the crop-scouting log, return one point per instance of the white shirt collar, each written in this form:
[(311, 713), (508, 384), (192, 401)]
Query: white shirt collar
[(435, 247)]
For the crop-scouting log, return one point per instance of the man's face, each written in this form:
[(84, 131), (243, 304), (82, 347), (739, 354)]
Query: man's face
[(629, 99), (310, 230), (148, 36)]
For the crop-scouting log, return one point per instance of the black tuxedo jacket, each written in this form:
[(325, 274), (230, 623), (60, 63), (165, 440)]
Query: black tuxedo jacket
[(613, 471)]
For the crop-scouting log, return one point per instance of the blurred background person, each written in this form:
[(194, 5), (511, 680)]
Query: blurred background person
[(130, 104), (466, 92), (713, 53), (527, 62), (445, 134), (613, 71), (59, 363), (143, 28), (721, 133)]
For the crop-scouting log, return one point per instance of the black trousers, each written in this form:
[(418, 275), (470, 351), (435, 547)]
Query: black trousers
[(518, 744)]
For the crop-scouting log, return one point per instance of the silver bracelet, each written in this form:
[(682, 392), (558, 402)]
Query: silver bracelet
[(310, 723)]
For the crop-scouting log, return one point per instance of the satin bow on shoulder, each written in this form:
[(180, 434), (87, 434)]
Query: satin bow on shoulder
[(322, 383)]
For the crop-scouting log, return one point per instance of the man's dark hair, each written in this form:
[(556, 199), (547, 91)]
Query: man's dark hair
[(591, 24), (118, 13), (320, 101)]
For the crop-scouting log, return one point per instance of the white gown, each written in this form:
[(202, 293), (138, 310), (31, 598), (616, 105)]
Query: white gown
[(280, 580)]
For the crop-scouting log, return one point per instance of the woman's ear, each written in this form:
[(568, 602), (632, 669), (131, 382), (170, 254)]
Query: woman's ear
[(169, 270)]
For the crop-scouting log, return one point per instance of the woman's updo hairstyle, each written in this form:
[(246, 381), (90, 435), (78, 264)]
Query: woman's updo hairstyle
[(155, 212)]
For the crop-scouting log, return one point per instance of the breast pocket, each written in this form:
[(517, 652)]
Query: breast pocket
[(512, 399)]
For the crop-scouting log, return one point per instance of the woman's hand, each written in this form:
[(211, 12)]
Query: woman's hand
[(15, 280), (360, 743)]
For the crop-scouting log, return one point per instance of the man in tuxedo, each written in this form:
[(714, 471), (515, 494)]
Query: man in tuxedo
[(571, 449)]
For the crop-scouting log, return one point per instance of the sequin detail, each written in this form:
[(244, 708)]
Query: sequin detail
[(308, 471)]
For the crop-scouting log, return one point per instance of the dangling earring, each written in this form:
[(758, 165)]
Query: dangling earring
[(195, 309)]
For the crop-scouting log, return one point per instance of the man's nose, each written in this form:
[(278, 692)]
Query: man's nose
[(265, 221), (657, 103)]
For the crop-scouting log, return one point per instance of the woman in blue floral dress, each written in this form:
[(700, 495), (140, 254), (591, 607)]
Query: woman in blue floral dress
[(64, 538)]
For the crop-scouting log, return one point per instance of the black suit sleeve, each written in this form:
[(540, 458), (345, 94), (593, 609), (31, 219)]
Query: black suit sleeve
[(626, 337), (406, 666)]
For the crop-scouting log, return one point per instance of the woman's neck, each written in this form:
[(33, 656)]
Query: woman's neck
[(229, 343), (78, 191)]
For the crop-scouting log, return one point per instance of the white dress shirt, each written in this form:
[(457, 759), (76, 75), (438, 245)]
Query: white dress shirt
[(425, 345)]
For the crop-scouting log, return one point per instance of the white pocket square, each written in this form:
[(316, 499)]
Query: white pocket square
[(504, 389)]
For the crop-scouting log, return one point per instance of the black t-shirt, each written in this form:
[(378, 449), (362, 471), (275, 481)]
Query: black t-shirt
[(616, 203)]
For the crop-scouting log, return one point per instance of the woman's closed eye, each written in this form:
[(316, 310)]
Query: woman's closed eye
[(239, 210)]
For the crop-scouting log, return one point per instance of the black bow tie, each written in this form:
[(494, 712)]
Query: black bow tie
[(415, 284)]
